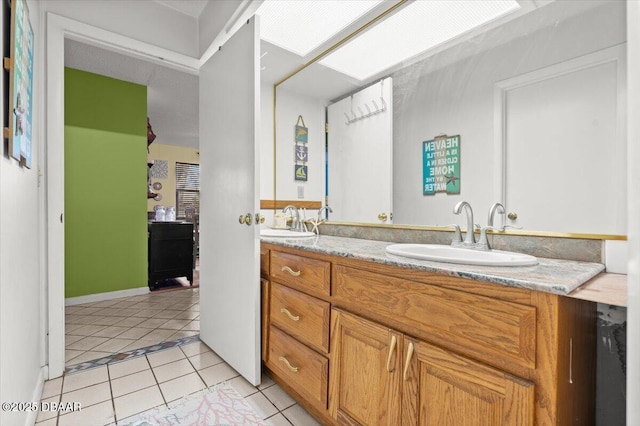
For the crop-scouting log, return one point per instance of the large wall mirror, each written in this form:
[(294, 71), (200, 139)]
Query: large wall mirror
[(535, 90)]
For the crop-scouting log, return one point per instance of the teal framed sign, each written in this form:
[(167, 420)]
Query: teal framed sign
[(441, 165)]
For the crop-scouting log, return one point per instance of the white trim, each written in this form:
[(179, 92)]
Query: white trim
[(99, 297), (36, 395), (57, 29), (85, 33), (633, 182), (615, 54)]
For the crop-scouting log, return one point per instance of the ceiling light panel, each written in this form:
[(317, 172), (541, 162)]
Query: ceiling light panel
[(418, 27), (301, 26)]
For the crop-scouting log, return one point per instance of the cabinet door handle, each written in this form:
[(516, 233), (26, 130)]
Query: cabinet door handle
[(392, 349), (288, 364), (289, 314), (408, 360), (291, 271)]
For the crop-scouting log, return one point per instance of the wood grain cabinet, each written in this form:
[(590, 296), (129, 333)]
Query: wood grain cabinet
[(360, 343), (366, 371), (383, 377), (440, 387)]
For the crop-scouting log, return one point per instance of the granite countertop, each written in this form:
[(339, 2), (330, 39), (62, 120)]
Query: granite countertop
[(549, 275)]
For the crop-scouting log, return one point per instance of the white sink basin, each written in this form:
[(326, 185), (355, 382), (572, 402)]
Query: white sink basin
[(442, 253), (284, 233)]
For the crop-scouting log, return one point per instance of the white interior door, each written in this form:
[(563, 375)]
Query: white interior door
[(229, 157), (566, 122), (360, 155)]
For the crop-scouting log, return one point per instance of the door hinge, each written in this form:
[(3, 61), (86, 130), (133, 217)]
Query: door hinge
[(326, 127), (39, 177)]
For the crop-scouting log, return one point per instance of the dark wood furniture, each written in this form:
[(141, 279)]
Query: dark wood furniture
[(170, 251)]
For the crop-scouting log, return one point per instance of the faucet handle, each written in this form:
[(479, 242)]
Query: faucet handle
[(457, 235), (483, 242)]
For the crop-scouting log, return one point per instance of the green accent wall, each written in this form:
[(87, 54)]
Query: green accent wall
[(105, 156)]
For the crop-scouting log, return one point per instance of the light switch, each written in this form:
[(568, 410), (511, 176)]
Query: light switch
[(300, 192)]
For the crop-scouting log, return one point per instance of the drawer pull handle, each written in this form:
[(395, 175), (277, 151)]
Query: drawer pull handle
[(408, 360), (288, 364), (392, 349), (289, 314), (291, 271)]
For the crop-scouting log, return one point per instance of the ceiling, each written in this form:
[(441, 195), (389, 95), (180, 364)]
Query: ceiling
[(188, 7)]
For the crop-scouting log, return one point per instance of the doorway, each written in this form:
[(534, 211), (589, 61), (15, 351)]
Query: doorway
[(58, 30)]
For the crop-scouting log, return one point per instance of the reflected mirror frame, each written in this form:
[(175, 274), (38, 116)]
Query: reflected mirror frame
[(515, 232)]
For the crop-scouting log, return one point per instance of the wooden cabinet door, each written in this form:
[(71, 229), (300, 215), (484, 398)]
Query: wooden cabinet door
[(365, 371), (441, 388)]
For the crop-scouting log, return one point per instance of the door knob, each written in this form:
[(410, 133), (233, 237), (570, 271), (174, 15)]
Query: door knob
[(382, 217), (512, 216), (246, 219), (259, 219)]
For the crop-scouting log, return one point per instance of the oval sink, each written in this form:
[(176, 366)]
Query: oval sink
[(284, 233), (442, 253)]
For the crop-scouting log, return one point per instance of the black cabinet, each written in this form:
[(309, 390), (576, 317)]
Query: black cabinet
[(170, 251)]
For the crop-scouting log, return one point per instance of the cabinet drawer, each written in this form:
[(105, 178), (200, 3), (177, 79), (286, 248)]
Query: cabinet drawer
[(498, 332), (305, 370), (302, 316), (309, 275)]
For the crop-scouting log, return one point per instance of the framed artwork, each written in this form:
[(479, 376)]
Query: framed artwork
[(301, 131), (21, 84), (300, 172), (302, 153)]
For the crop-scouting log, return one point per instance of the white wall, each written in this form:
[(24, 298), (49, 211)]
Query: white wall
[(289, 106), (146, 21), (458, 99), (266, 142), (21, 306)]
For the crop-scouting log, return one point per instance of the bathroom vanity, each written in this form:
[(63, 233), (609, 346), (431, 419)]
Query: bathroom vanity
[(358, 336)]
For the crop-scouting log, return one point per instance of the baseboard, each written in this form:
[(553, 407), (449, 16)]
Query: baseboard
[(37, 393), (89, 298)]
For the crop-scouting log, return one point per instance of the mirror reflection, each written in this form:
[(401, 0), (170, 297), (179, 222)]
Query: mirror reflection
[(535, 94)]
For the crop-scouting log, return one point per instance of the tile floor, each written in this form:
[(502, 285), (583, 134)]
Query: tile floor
[(112, 393), (99, 329)]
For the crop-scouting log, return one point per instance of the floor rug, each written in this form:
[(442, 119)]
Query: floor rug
[(219, 406)]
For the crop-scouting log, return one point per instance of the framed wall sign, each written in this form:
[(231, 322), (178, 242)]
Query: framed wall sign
[(301, 132), (301, 153), (441, 165), (20, 66), (300, 172)]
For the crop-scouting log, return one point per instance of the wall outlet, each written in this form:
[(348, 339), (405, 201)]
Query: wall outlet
[(300, 192)]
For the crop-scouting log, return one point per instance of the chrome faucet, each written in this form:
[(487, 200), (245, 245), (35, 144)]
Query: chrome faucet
[(499, 208), (325, 208), (469, 239), (319, 219), (297, 224)]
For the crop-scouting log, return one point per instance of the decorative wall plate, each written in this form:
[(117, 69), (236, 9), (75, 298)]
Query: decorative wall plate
[(157, 186), (158, 197)]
